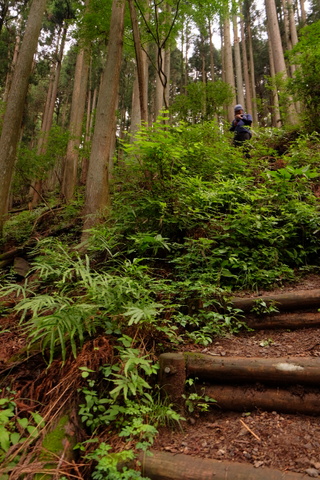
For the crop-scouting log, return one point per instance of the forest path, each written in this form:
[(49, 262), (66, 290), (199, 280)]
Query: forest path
[(264, 425)]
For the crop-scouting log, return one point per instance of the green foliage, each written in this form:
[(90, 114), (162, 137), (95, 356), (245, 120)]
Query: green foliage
[(15, 431), (305, 83), (71, 300), (18, 229), (124, 400), (94, 21), (192, 220), (223, 228), (195, 402), (261, 307), (107, 464), (33, 165), (202, 102)]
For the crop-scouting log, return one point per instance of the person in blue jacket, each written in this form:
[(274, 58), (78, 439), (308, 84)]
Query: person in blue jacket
[(241, 125)]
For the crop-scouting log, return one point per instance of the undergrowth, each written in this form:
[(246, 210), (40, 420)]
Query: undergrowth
[(193, 221)]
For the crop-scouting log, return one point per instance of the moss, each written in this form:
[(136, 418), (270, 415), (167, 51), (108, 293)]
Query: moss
[(58, 441)]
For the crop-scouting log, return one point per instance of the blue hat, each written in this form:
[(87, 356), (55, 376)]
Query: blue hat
[(238, 107)]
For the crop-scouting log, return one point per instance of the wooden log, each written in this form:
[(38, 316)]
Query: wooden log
[(172, 376), (169, 466), (248, 398), (306, 299), (282, 370), (7, 257), (284, 320)]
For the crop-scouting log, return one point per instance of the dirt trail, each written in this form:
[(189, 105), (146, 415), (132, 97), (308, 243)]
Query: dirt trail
[(288, 442)]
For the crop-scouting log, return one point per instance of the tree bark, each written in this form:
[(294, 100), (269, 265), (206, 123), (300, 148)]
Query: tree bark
[(13, 65), (14, 110), (278, 370), (141, 64), (164, 466), (292, 23), (172, 376), (49, 112), (69, 181), (275, 37), (284, 320), (160, 82), (135, 119), (167, 72), (278, 56), (237, 62), (285, 301), (247, 398), (228, 64), (303, 15), (275, 114), (97, 195), (211, 53), (252, 74), (248, 96)]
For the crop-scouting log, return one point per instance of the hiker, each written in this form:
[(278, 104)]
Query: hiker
[(241, 126)]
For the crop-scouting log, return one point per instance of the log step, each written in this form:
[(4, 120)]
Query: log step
[(286, 370), (248, 398), (304, 299), (169, 466), (283, 320), (176, 367)]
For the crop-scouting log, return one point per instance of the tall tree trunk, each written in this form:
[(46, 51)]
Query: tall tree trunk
[(135, 108), (203, 60), (228, 64), (275, 38), (76, 120), (48, 115), (252, 75), (167, 72), (223, 73), (160, 82), (275, 114), (141, 64), (237, 62), (16, 99), (277, 52), (303, 16), (97, 187), (91, 107), (292, 23), (13, 65), (248, 93), (211, 53), (186, 55), (286, 26)]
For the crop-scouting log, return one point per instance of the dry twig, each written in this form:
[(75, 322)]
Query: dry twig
[(249, 430)]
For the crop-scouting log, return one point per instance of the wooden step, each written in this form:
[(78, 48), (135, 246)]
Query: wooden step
[(219, 378), (281, 370), (283, 320), (169, 466), (248, 398), (302, 299)]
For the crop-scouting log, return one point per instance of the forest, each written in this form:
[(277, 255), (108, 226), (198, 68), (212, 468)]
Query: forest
[(129, 218)]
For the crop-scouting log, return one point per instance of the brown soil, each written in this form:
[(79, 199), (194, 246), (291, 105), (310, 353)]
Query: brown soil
[(286, 442), (283, 441), (264, 439)]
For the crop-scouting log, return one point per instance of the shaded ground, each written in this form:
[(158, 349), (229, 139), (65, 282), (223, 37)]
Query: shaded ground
[(287, 442), (284, 441), (264, 439)]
